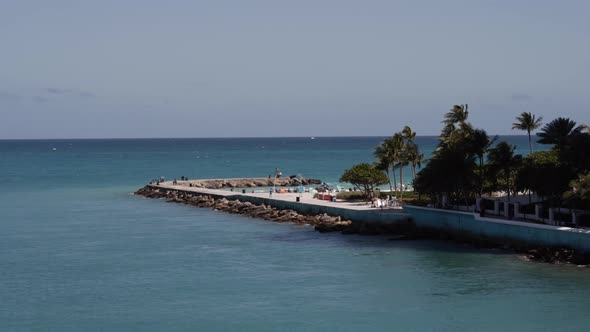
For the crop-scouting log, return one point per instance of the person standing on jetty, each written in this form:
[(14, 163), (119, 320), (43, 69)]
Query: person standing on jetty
[(269, 192)]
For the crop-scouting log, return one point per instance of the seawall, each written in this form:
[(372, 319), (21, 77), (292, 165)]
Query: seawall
[(356, 216), (521, 236)]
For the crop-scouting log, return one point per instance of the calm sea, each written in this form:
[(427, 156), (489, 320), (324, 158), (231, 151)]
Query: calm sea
[(78, 253)]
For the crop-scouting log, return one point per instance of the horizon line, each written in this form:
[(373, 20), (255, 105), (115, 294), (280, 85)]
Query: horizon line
[(213, 137)]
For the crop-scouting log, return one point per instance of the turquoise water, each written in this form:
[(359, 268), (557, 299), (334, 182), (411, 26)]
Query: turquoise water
[(78, 253)]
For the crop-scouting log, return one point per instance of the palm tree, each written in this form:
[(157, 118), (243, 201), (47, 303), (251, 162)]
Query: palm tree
[(457, 115), (385, 159), (408, 134), (456, 126), (388, 153), (396, 144), (558, 131), (410, 150), (415, 158), (528, 122), (502, 158), (402, 161), (478, 144)]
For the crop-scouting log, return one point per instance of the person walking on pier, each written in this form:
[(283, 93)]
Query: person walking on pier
[(269, 192)]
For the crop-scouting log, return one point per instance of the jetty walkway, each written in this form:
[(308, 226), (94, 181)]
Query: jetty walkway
[(302, 202), (304, 198)]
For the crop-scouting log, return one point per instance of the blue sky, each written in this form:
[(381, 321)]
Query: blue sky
[(84, 69)]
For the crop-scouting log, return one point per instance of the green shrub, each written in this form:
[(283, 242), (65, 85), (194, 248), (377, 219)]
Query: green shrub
[(351, 195)]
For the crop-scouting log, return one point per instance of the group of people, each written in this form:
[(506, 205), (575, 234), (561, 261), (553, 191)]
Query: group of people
[(162, 179), (182, 178), (284, 190)]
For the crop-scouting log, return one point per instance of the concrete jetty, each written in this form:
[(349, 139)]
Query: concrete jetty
[(300, 202)]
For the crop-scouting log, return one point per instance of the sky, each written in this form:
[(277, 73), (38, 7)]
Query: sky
[(257, 68)]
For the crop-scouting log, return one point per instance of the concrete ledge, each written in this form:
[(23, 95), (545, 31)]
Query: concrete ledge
[(500, 229)]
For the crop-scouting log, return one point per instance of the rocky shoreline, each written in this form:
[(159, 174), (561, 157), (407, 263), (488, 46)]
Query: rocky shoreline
[(541, 254), (325, 223)]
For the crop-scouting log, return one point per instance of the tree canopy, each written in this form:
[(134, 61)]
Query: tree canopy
[(558, 131), (503, 161), (365, 177), (468, 163)]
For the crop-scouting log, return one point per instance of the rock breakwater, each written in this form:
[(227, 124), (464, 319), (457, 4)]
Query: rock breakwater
[(249, 182)]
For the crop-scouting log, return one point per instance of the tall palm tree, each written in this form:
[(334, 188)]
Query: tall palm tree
[(389, 151), (402, 161), (400, 158), (528, 122), (415, 158), (478, 144), (558, 131), (502, 158), (409, 149), (385, 159)]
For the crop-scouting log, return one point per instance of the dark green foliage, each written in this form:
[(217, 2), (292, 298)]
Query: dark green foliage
[(451, 172), (466, 164), (552, 174), (558, 131), (351, 195), (543, 173), (576, 151), (503, 162), (455, 169), (364, 177)]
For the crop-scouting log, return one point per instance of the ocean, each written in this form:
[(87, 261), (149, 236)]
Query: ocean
[(78, 252)]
